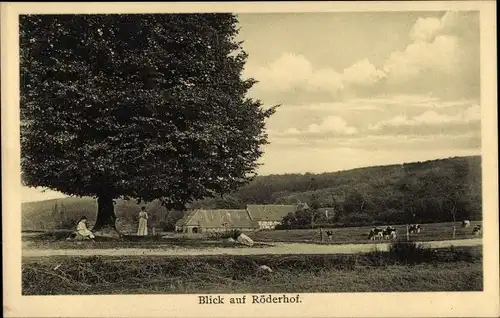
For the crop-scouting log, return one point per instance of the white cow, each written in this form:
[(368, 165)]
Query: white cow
[(376, 233), (477, 229), (465, 223), (389, 233), (414, 228)]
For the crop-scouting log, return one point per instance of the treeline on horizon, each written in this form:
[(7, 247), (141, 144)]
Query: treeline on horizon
[(419, 192)]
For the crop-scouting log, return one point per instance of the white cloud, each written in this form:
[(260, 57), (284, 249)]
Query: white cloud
[(425, 29), (431, 117), (333, 124), (362, 73), (452, 22), (437, 46), (284, 73), (292, 71), (397, 100), (325, 79), (380, 103), (459, 23), (292, 131), (443, 54), (472, 113)]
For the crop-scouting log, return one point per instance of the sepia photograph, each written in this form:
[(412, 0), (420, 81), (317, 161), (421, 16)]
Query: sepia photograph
[(270, 155)]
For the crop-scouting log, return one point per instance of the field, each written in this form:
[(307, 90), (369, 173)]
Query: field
[(180, 263), (430, 232), (348, 235), (450, 269)]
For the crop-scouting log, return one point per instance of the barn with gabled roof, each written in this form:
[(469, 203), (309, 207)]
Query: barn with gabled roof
[(203, 221)]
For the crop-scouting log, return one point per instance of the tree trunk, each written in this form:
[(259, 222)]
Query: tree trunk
[(106, 218)]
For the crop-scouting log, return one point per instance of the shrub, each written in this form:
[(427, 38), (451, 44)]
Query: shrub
[(164, 226), (225, 235), (231, 234), (410, 252)]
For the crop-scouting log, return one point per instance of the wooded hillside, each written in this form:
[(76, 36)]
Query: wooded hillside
[(415, 192)]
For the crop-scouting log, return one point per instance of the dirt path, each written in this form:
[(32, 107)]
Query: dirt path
[(278, 248)]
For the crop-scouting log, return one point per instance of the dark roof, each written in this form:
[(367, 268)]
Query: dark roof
[(270, 212), (217, 219), (184, 219)]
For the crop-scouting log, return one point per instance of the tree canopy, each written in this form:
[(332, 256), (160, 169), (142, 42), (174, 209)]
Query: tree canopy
[(137, 106)]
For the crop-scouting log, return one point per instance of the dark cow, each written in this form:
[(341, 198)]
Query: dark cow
[(329, 234), (376, 233), (477, 229), (389, 233), (414, 228)]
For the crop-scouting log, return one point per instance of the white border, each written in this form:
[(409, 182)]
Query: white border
[(473, 304)]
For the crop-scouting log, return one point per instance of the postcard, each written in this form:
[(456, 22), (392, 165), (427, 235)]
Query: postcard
[(250, 159)]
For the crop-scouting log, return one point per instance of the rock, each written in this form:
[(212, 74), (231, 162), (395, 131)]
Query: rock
[(265, 268), (231, 240), (245, 240)]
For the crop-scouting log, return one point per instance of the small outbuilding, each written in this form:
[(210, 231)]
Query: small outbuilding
[(270, 215)]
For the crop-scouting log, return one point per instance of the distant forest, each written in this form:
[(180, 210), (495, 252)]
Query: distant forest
[(415, 192), (420, 192)]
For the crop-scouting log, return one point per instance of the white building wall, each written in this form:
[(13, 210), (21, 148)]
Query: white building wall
[(268, 225)]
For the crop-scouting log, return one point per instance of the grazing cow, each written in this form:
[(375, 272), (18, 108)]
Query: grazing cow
[(415, 228), (477, 230), (376, 233), (465, 223), (389, 233), (329, 234)]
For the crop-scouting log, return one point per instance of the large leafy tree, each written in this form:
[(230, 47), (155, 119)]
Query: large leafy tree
[(137, 106)]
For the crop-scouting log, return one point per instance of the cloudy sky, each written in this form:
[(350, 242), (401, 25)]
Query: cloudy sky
[(362, 89)]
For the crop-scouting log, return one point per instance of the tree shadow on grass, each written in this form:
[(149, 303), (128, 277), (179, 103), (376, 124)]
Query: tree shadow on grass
[(59, 239)]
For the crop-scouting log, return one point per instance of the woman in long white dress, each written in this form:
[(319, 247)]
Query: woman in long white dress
[(143, 223), (82, 230)]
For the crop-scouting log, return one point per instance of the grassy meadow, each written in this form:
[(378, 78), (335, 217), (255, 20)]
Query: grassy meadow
[(346, 235), (409, 267), (403, 269)]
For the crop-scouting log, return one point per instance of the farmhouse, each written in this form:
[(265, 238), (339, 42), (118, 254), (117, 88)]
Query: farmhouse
[(269, 216), (203, 221)]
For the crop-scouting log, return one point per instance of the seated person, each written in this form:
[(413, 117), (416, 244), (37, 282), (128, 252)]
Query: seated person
[(82, 230)]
